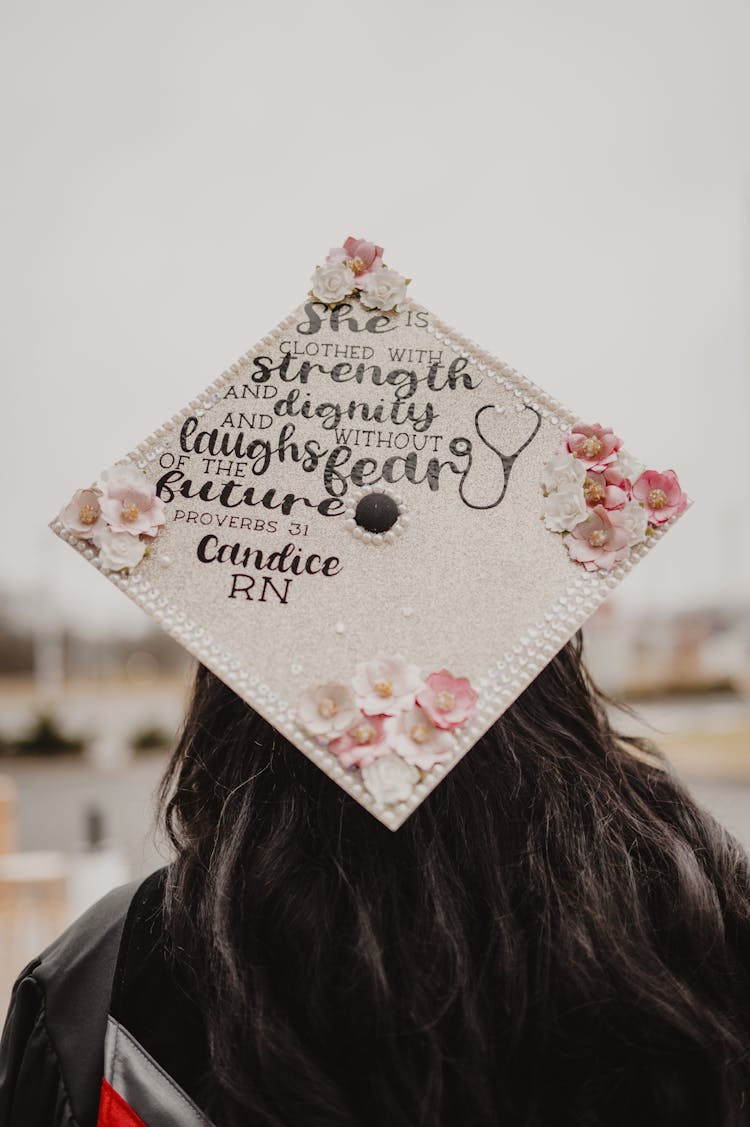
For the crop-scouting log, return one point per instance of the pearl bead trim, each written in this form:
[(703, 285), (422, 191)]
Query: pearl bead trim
[(376, 539)]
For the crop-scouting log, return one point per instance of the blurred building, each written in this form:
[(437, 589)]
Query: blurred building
[(706, 650)]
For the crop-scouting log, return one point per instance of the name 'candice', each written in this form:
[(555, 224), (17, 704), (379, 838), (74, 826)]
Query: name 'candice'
[(290, 558)]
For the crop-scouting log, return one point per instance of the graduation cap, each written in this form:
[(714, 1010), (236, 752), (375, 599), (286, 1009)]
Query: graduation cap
[(373, 531)]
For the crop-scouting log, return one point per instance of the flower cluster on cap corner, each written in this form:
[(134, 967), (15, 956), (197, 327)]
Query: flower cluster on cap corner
[(115, 515), (388, 722), (357, 268), (602, 500)]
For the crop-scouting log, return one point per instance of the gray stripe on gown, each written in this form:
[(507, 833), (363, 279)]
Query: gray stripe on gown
[(142, 1083)]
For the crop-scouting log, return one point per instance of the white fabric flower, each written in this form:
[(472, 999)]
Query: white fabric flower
[(118, 550), (327, 710), (386, 685), (332, 282), (417, 740), (627, 465), (125, 474), (382, 289), (390, 778), (565, 508), (562, 470), (635, 518)]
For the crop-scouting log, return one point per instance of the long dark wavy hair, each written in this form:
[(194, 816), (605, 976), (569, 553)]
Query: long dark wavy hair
[(559, 935)]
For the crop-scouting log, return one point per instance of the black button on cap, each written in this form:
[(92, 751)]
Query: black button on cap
[(376, 512)]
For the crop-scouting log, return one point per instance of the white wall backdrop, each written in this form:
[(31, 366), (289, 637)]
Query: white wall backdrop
[(566, 183)]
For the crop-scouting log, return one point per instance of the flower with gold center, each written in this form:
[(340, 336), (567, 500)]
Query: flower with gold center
[(386, 685), (600, 541), (83, 515), (360, 255), (591, 447), (129, 502), (608, 488), (327, 710), (448, 701), (594, 491), (418, 740), (594, 445), (661, 495), (363, 742)]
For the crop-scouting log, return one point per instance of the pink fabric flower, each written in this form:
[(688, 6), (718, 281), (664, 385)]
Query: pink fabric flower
[(327, 710), (386, 685), (361, 256), (129, 502), (361, 744), (595, 446), (83, 515), (417, 740), (660, 494), (601, 540), (608, 488), (447, 700)]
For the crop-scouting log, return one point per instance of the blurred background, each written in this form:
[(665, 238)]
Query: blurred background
[(567, 184)]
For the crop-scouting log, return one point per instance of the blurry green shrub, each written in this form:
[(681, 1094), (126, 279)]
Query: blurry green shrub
[(151, 738), (44, 737)]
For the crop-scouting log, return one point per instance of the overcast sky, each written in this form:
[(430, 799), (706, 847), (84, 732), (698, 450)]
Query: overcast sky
[(568, 184)]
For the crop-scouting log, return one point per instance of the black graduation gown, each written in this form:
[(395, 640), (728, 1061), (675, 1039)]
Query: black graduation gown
[(98, 1033)]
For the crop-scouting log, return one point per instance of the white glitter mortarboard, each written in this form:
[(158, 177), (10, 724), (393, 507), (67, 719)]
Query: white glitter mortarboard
[(373, 531)]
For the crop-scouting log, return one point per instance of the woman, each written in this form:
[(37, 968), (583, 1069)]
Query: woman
[(557, 935)]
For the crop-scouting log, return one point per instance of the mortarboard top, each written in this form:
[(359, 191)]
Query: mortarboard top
[(373, 531)]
